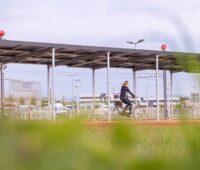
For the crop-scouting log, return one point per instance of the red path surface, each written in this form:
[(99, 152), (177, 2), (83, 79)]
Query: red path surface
[(142, 122)]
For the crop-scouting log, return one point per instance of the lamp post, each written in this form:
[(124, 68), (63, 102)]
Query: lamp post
[(135, 43), (72, 76), (78, 95), (146, 86), (133, 69)]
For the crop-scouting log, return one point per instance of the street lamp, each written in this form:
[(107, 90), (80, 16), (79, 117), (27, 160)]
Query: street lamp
[(135, 43), (72, 75)]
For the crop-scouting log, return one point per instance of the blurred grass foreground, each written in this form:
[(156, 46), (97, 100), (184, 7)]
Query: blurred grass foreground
[(74, 145)]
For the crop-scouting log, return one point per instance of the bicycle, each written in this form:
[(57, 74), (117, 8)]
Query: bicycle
[(137, 111)]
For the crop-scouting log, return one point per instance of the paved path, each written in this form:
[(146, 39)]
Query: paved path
[(142, 122)]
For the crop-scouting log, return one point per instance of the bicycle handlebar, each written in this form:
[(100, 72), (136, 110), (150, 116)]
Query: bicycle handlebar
[(133, 97)]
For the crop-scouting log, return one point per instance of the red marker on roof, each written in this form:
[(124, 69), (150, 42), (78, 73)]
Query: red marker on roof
[(163, 47), (2, 33)]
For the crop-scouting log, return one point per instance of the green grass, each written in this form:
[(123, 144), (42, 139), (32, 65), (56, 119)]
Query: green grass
[(73, 145)]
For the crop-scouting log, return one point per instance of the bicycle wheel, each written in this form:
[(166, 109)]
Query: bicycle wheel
[(117, 112), (139, 113)]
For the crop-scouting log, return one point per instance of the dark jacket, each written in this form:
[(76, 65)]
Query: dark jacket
[(124, 91)]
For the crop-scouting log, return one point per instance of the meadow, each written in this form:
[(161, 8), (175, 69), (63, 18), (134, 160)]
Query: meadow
[(73, 145)]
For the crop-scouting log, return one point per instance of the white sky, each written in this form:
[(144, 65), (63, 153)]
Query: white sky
[(102, 23)]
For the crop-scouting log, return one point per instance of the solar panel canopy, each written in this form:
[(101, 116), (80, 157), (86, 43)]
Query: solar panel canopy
[(92, 56)]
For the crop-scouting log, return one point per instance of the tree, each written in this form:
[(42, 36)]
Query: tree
[(21, 101), (33, 100), (44, 103), (11, 99)]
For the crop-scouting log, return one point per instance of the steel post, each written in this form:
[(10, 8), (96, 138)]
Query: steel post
[(108, 85), (165, 93), (2, 91), (53, 90), (93, 92), (48, 91), (134, 81), (171, 95), (157, 96)]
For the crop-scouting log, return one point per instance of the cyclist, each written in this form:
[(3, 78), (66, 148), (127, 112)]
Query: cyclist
[(124, 96)]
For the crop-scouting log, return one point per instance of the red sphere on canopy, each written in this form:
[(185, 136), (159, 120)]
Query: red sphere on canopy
[(163, 47), (2, 33)]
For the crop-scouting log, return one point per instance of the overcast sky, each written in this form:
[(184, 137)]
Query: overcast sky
[(102, 23)]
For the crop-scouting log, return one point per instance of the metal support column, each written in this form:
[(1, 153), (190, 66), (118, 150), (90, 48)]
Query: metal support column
[(157, 99), (165, 93), (171, 95), (108, 85), (93, 93), (134, 82), (2, 91), (72, 93), (77, 100), (48, 91), (53, 90)]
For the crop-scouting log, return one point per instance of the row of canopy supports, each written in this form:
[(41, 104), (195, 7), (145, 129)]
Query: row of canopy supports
[(51, 90)]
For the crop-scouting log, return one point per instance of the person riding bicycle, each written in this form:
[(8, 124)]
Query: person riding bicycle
[(124, 96)]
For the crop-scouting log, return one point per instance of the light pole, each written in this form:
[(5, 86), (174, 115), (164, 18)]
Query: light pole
[(146, 88), (133, 69), (72, 90), (78, 95), (135, 43)]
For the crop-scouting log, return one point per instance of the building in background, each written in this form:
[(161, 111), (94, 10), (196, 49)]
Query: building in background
[(17, 88), (195, 97)]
